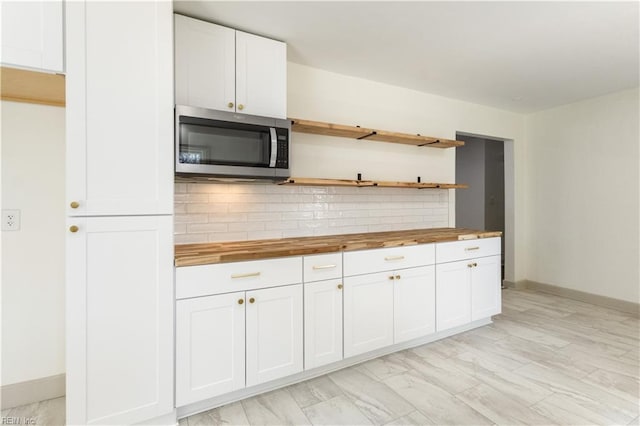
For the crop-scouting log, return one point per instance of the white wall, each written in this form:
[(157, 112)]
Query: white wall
[(33, 148), (583, 189), (320, 95)]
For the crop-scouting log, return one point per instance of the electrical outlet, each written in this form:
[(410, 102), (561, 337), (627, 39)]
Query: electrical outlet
[(10, 220)]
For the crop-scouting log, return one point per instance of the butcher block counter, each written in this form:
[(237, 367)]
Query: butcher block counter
[(209, 253)]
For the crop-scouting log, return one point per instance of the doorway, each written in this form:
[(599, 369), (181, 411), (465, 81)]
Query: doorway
[(480, 163)]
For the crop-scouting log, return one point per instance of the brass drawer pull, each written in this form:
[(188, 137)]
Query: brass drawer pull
[(251, 274), (394, 258), (391, 277), (252, 300), (397, 277), (73, 228), (339, 286), (472, 248), (469, 265), (323, 266), (75, 204), (240, 301)]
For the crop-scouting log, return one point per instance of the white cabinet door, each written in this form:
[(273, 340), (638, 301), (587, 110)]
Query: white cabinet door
[(368, 313), (274, 333), (32, 34), (204, 64), (119, 300), (322, 323), (119, 108), (209, 346), (414, 303), (261, 76), (453, 294), (485, 287)]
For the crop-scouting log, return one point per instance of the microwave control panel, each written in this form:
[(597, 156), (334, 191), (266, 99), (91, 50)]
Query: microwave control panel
[(282, 157)]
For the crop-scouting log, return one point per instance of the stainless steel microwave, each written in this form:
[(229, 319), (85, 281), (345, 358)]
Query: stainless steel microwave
[(221, 144)]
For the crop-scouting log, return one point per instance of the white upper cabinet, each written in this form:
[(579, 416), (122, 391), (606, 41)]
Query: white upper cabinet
[(32, 34), (223, 69), (119, 108), (261, 76), (204, 64)]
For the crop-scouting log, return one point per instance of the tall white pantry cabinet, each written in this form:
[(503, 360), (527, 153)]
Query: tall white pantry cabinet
[(119, 207)]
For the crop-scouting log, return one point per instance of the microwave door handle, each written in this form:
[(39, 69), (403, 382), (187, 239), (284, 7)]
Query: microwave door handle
[(274, 146)]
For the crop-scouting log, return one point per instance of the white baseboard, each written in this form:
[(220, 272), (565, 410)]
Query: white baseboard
[(31, 391), (582, 296)]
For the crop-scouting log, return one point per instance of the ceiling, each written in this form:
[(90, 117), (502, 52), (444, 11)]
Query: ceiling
[(518, 56)]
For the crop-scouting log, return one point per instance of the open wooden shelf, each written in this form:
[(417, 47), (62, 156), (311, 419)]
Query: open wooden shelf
[(370, 183), (361, 133)]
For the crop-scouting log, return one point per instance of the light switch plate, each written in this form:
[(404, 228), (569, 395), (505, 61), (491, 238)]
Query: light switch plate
[(10, 220)]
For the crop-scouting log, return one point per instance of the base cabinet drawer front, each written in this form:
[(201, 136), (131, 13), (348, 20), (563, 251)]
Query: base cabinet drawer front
[(468, 249), (204, 280), (322, 323), (322, 267), (388, 259), (414, 303), (274, 333), (210, 347), (453, 295), (486, 296), (368, 313)]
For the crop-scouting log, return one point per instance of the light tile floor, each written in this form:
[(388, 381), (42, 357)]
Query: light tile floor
[(546, 360)]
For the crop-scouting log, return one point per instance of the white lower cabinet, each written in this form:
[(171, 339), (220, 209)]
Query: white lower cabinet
[(322, 323), (414, 303), (486, 295), (247, 323), (274, 333), (453, 295), (119, 300), (221, 338), (467, 290), (368, 313), (210, 346)]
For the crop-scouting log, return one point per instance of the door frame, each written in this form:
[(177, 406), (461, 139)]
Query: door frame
[(509, 202)]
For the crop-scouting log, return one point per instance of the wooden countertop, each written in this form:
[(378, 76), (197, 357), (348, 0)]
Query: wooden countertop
[(208, 253)]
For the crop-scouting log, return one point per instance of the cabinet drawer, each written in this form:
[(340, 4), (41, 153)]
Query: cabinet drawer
[(322, 267), (461, 250), (387, 259), (193, 281)]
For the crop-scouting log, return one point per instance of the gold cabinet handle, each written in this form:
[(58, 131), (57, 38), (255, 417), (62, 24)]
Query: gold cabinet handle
[(475, 264), (339, 286), (252, 300), (323, 266), (397, 277), (250, 274), (472, 248), (394, 258), (73, 228), (230, 104), (240, 107), (469, 265), (75, 204), (391, 277), (240, 301)]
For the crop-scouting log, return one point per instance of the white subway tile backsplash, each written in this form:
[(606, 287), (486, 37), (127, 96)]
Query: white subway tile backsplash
[(235, 212), (197, 228), (246, 226)]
